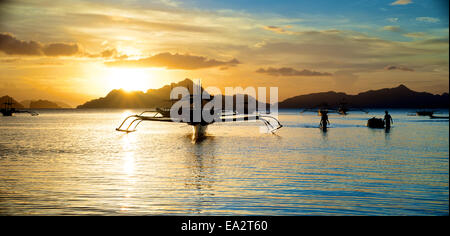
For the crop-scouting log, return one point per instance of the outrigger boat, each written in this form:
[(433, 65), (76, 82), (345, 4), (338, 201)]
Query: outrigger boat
[(199, 127)]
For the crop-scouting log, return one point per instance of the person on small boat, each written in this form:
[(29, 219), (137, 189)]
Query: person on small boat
[(388, 120), (324, 119)]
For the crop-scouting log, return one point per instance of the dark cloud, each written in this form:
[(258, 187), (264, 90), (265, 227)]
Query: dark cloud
[(287, 71), (10, 45), (60, 49), (13, 46), (175, 61), (403, 68)]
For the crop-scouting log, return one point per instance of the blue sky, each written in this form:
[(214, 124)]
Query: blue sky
[(358, 8), (324, 13)]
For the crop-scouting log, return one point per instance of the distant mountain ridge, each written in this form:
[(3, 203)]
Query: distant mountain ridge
[(40, 104), (119, 98), (153, 98), (398, 97), (34, 104), (44, 104)]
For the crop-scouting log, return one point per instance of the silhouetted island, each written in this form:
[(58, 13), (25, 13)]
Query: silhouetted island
[(398, 97), (34, 104), (7, 98), (41, 104), (119, 98), (44, 104), (153, 98)]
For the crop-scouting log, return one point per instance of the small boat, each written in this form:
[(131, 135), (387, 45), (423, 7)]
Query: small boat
[(430, 114), (198, 131), (6, 112), (376, 123), (9, 110), (424, 113)]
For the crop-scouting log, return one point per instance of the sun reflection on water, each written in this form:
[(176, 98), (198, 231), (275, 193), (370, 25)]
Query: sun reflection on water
[(128, 163)]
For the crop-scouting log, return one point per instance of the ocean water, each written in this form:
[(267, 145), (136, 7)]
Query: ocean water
[(73, 162)]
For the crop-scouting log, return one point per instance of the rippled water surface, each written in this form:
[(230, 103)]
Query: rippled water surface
[(73, 162)]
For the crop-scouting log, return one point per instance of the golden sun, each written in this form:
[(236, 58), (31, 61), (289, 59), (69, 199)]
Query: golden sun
[(129, 79)]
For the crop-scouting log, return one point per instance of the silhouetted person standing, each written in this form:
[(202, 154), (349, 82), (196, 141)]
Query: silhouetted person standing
[(324, 119), (388, 120)]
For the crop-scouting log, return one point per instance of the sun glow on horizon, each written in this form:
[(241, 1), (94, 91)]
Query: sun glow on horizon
[(130, 79)]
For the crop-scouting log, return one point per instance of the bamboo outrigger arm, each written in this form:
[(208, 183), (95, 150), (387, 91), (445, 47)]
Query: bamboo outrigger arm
[(137, 119)]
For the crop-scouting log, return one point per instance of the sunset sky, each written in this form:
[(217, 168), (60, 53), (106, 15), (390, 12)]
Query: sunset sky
[(74, 51)]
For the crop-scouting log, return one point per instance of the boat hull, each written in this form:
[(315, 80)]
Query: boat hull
[(375, 123), (198, 131), (6, 112)]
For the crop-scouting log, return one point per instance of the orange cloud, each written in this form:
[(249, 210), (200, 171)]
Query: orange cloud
[(108, 53), (287, 71), (402, 2), (393, 28), (278, 30), (175, 61)]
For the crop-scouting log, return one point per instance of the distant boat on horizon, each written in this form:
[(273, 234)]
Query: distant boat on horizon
[(9, 110), (430, 114)]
